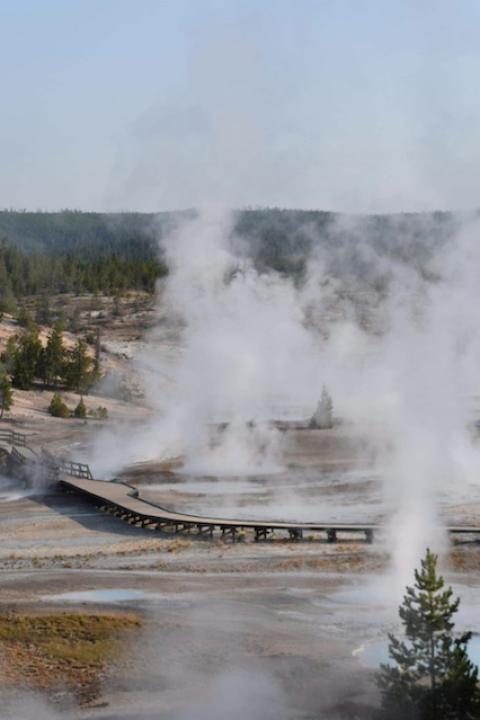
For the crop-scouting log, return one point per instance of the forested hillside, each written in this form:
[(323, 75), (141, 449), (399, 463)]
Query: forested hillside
[(30, 274), (110, 253), (94, 235), (76, 252)]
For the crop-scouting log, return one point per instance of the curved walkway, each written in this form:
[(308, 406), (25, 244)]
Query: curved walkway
[(124, 501)]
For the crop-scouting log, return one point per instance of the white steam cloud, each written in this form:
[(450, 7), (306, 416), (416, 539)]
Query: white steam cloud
[(240, 332), (255, 347)]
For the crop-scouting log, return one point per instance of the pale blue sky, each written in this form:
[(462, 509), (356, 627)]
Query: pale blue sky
[(353, 105)]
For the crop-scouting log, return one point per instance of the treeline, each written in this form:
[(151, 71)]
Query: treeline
[(76, 252), (23, 274), (110, 253), (94, 235), (286, 240)]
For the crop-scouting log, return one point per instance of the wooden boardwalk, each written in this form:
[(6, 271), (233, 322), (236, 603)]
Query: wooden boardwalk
[(124, 501)]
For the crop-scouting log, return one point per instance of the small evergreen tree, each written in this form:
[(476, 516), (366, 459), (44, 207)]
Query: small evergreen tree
[(8, 357), (433, 678), (7, 297), (322, 418), (57, 407), (75, 320), (25, 318), (54, 357), (26, 358), (78, 374), (116, 305), (102, 412), (61, 322), (80, 411), (43, 314), (6, 395)]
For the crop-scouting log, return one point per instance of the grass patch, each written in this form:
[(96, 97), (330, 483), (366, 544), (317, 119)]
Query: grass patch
[(175, 546), (53, 651)]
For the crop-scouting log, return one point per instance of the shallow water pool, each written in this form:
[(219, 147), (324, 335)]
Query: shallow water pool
[(371, 655), (101, 596)]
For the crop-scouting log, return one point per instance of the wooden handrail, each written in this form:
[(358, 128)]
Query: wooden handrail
[(13, 437), (126, 501), (67, 467), (75, 469)]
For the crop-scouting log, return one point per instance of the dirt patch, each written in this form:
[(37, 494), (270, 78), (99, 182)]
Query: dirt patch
[(464, 559), (347, 559)]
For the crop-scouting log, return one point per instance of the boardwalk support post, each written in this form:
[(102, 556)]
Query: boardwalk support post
[(146, 522), (229, 530), (261, 533), (331, 535), (205, 530), (160, 525), (369, 535), (296, 534)]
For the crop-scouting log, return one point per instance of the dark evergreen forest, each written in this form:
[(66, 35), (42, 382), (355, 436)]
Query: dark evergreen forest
[(74, 251)]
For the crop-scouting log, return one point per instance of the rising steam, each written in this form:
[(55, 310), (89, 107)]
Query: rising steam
[(242, 344), (246, 347)]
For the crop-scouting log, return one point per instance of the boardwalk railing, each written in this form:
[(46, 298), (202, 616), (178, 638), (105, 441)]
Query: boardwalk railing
[(13, 438), (62, 466), (75, 469), (56, 465), (16, 457), (124, 501)]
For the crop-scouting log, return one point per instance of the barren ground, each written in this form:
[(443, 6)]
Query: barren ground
[(155, 625)]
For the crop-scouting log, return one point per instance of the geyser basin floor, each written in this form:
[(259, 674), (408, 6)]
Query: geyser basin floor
[(329, 476), (293, 612), (60, 653), (287, 611), (295, 495)]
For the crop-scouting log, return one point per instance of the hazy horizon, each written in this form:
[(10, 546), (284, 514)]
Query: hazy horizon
[(467, 212)]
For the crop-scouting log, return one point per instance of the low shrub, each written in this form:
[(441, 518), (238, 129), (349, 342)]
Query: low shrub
[(57, 407)]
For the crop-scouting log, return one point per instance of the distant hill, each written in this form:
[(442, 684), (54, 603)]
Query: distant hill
[(112, 252), (269, 232), (77, 252), (285, 239), (100, 234)]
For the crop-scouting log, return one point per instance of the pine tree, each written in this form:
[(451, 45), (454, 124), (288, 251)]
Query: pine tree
[(54, 356), (80, 411), (96, 362), (25, 361), (101, 412), (43, 314), (57, 407), (322, 419), (75, 320), (25, 318), (6, 395), (8, 357), (433, 678), (78, 373)]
